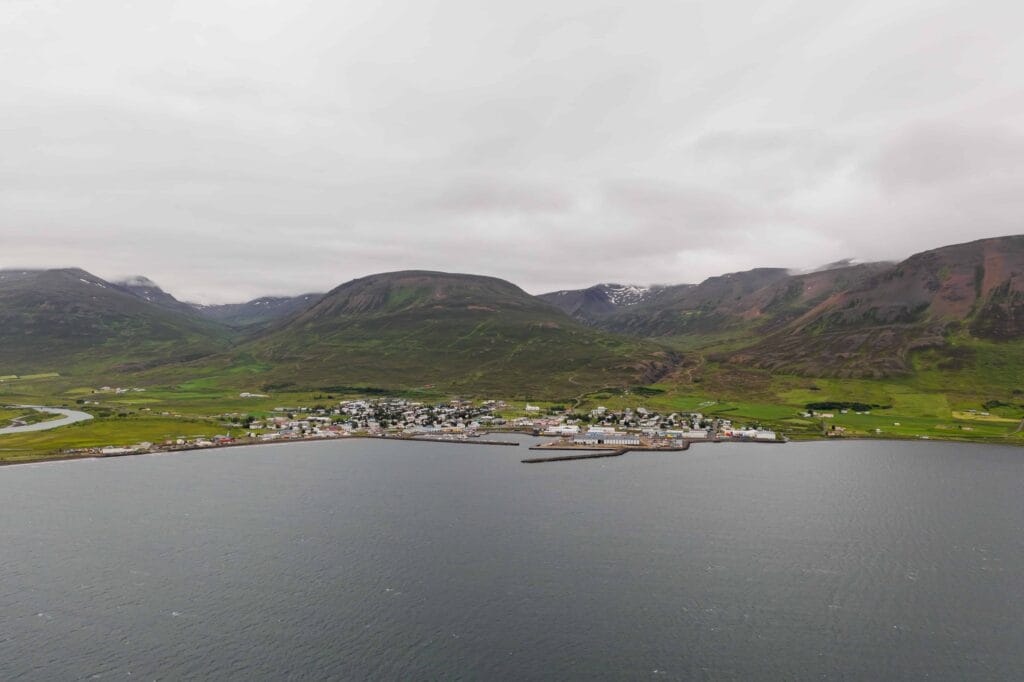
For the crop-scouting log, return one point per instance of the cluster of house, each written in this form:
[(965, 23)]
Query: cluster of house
[(646, 427), (117, 390), (377, 416), (170, 444), (453, 419), (180, 443), (817, 414), (462, 419)]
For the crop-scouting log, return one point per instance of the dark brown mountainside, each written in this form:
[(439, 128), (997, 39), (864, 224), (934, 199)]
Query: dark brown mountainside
[(870, 329)]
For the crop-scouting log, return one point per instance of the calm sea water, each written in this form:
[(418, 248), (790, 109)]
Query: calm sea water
[(378, 560)]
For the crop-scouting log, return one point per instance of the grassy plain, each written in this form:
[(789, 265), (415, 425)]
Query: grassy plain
[(982, 400), (195, 407), (933, 403)]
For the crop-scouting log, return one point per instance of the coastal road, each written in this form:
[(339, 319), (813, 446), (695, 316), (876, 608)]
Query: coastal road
[(69, 417)]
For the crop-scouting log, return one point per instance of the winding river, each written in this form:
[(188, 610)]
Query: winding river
[(69, 417)]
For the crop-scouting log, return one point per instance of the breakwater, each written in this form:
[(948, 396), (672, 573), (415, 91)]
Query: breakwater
[(600, 454), (480, 441)]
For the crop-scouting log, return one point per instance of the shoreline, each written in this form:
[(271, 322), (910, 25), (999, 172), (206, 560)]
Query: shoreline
[(284, 441), (59, 457)]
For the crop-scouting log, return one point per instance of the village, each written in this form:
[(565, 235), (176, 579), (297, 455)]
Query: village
[(459, 421)]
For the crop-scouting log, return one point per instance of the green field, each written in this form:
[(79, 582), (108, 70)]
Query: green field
[(103, 432), (936, 402)]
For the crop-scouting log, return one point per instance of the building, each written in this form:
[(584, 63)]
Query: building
[(622, 439), (606, 438)]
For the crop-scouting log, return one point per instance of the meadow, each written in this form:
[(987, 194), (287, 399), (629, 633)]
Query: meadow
[(982, 401)]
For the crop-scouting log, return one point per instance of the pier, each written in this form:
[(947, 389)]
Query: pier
[(592, 454), (455, 441)]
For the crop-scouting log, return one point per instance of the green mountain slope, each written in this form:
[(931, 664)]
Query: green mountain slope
[(464, 332), (258, 312), (68, 319)]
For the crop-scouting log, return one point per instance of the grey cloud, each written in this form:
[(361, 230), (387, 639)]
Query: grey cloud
[(678, 211), (485, 195), (231, 149), (935, 156)]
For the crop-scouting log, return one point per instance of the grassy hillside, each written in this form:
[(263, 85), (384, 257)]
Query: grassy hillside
[(463, 332), (72, 321), (257, 313)]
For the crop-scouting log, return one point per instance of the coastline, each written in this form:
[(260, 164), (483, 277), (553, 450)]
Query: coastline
[(593, 453), (65, 457), (58, 456)]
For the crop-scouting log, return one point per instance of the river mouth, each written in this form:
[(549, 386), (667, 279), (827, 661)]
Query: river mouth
[(68, 417)]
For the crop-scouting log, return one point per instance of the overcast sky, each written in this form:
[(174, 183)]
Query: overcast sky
[(233, 149)]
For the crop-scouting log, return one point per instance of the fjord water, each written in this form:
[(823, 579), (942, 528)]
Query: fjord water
[(389, 560)]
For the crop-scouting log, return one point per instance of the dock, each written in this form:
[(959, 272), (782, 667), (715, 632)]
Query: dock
[(596, 454), (455, 441)]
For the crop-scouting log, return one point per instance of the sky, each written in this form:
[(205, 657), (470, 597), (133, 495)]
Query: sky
[(231, 149)]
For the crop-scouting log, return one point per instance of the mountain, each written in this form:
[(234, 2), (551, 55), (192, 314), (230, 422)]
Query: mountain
[(708, 307), (845, 319), (411, 328), (249, 315), (597, 301), (258, 311), (940, 299), (53, 320), (958, 308)]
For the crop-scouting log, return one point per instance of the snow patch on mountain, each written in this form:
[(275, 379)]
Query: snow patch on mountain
[(625, 294)]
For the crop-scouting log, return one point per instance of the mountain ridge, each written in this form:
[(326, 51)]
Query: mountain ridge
[(427, 327), (68, 316)]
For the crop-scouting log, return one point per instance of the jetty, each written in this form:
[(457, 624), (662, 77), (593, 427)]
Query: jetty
[(596, 454), (454, 441)]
